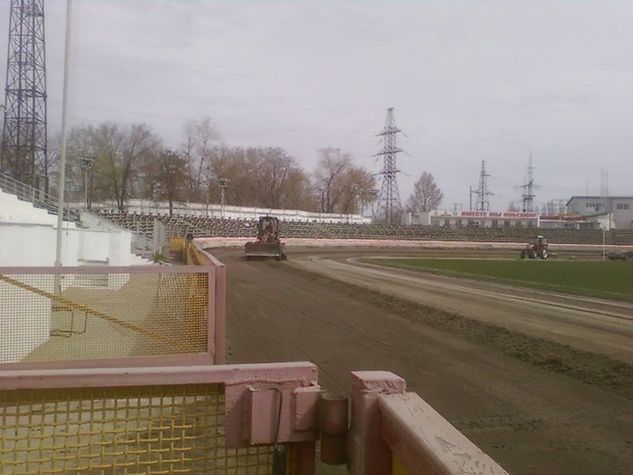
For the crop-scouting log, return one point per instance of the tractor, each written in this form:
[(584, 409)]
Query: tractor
[(268, 243), (537, 248)]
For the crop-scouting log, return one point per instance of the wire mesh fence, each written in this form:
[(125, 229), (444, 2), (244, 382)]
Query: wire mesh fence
[(123, 430), (49, 315)]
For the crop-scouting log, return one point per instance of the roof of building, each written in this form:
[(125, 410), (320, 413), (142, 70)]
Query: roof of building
[(589, 197)]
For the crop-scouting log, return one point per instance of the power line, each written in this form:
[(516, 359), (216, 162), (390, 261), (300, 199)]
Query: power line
[(389, 198), (482, 193), (527, 198)]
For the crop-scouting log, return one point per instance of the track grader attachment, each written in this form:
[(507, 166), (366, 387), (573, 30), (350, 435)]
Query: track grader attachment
[(268, 243)]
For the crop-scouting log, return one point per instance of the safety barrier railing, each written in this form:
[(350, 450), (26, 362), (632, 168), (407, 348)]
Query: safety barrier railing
[(194, 255), (33, 195), (260, 419), (234, 419), (397, 432), (114, 316)]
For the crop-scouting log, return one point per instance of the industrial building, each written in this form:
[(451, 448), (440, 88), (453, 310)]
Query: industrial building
[(615, 211), (507, 219)]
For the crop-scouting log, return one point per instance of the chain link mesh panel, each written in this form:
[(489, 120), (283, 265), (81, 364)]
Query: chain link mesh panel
[(47, 317), (131, 430)]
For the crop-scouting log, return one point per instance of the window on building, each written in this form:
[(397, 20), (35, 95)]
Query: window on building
[(622, 206)]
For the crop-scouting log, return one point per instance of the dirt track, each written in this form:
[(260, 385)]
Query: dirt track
[(538, 398)]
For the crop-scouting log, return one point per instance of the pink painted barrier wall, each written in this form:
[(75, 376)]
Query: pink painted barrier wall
[(396, 432)]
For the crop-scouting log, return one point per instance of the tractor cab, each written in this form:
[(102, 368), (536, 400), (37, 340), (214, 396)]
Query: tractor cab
[(537, 248), (268, 243)]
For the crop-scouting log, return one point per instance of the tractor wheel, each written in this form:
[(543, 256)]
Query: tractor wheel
[(544, 254), (533, 255)]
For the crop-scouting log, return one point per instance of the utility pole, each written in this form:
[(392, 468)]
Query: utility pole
[(604, 183), (389, 199), (62, 156), (373, 196), (482, 193), (23, 155), (528, 189), (86, 166), (224, 183)]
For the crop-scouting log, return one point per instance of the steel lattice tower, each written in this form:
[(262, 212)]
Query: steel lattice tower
[(24, 139), (389, 198), (482, 193), (528, 190)]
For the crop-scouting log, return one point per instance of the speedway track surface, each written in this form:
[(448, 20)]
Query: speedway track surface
[(543, 382)]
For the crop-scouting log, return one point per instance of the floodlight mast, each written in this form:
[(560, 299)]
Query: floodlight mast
[(62, 156)]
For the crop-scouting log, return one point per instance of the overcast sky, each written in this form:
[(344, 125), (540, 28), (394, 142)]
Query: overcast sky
[(470, 81)]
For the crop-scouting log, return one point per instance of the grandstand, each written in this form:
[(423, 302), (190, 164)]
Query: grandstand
[(177, 225)]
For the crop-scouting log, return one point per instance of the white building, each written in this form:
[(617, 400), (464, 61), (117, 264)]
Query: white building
[(481, 219), (613, 212)]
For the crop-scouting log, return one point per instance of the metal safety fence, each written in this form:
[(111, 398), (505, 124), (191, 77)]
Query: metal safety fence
[(97, 313), (153, 421), (222, 419)]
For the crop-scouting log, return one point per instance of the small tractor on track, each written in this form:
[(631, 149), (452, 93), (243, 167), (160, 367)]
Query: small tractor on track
[(268, 243), (537, 248)]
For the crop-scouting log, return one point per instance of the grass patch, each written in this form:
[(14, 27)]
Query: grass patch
[(604, 279)]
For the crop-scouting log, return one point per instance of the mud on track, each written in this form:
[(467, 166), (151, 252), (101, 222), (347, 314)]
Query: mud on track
[(517, 396)]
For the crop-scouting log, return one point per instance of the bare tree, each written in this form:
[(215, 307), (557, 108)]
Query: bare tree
[(130, 162), (331, 167), (357, 187), (426, 194), (259, 176), (166, 177), (117, 152), (201, 138)]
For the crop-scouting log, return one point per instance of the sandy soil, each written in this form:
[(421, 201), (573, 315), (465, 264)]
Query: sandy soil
[(543, 385)]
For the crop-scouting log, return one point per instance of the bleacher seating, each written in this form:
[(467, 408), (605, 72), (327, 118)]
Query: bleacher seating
[(201, 226)]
